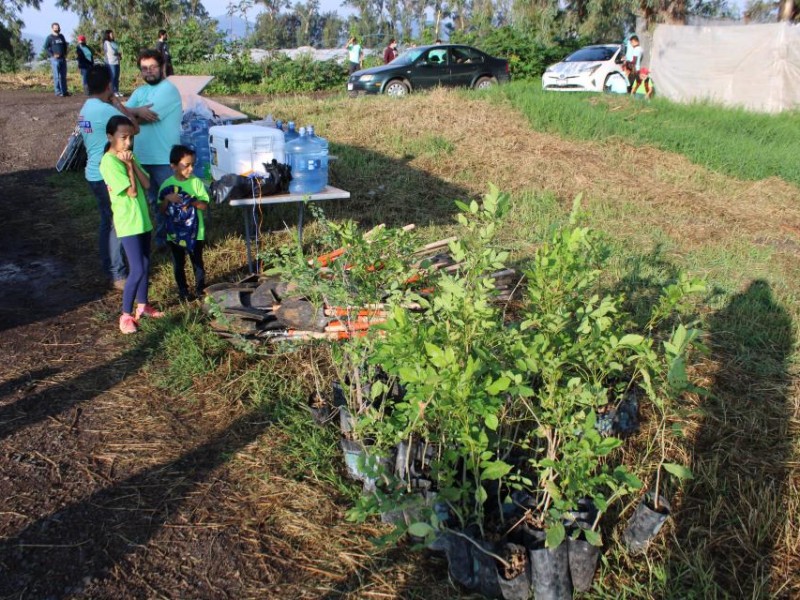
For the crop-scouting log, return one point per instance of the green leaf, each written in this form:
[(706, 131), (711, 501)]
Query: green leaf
[(480, 495), (678, 471), (420, 529), (594, 538), (499, 385), (495, 470), (631, 339), (492, 422), (555, 535)]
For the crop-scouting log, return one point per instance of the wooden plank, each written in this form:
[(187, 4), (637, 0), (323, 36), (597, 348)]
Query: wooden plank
[(329, 193)]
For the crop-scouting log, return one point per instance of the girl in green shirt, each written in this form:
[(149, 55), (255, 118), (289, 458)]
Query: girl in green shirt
[(127, 182)]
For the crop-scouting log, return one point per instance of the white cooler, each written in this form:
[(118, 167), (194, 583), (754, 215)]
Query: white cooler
[(242, 149)]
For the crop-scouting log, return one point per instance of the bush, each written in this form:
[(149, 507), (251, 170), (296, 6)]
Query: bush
[(527, 56)]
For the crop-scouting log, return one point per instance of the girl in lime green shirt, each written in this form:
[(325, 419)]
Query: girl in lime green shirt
[(127, 182)]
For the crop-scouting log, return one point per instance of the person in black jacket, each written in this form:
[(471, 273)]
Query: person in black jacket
[(85, 58), (163, 47), (56, 47)]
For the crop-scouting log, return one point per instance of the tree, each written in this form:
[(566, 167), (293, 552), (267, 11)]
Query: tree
[(307, 14), (332, 27), (787, 10), (13, 49)]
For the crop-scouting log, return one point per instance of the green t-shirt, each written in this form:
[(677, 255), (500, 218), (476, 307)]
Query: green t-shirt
[(193, 187), (130, 214), (155, 140)]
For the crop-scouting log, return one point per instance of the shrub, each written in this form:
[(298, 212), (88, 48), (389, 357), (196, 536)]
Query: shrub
[(528, 57)]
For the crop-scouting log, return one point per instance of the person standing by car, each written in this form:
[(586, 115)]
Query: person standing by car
[(85, 58), (56, 47), (112, 55), (163, 47), (390, 53), (354, 55), (633, 57)]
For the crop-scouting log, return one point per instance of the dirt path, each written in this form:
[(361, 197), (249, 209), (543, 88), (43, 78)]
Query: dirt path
[(82, 490)]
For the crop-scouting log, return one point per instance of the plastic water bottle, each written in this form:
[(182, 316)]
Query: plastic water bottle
[(194, 135), (320, 140), (279, 124), (309, 162), (291, 133)]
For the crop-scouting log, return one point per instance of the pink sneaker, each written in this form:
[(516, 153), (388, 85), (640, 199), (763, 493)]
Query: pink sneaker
[(148, 311), (127, 324)]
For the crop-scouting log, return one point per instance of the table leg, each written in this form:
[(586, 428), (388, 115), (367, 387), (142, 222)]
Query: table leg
[(247, 240), (300, 222)]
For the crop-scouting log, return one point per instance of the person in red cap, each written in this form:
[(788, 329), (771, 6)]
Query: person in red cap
[(85, 58), (643, 84)]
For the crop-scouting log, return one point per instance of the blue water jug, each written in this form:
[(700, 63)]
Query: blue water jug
[(309, 162), (279, 124), (194, 135), (320, 140), (291, 133)]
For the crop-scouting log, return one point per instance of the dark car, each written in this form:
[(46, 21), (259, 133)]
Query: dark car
[(448, 65)]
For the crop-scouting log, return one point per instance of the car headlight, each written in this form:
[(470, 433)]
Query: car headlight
[(366, 78), (590, 69)]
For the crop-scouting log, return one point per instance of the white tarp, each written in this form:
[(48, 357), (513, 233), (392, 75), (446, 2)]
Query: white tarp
[(752, 66)]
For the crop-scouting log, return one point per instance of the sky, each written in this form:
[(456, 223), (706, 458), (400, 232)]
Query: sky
[(38, 21)]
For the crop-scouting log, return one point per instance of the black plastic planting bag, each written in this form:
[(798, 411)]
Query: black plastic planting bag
[(231, 187)]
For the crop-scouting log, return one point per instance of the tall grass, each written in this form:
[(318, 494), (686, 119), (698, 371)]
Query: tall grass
[(736, 142)]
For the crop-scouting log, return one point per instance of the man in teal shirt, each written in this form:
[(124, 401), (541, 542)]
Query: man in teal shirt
[(94, 115), (159, 110), (354, 54)]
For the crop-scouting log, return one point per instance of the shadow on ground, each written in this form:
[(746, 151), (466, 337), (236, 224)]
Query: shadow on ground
[(736, 520)]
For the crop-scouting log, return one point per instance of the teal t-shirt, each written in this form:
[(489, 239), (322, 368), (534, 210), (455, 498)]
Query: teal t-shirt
[(129, 214), (92, 122), (354, 53), (194, 187), (155, 140)]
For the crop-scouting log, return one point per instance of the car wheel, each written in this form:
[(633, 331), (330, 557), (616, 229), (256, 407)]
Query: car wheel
[(607, 84), (485, 83), (396, 88)]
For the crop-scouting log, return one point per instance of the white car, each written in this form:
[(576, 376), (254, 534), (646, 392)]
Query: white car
[(590, 69)]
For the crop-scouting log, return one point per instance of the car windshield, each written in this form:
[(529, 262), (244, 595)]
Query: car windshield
[(592, 54), (408, 57)]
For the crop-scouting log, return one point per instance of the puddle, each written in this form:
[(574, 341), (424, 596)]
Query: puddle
[(34, 272)]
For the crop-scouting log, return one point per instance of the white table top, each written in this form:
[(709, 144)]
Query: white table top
[(329, 193)]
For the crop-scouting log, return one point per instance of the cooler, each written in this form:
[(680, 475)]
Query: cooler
[(241, 149)]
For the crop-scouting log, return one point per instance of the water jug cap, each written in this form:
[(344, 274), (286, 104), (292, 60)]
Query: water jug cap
[(302, 131), (310, 129), (291, 124)]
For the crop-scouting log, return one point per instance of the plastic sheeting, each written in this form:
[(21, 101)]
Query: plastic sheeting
[(752, 66)]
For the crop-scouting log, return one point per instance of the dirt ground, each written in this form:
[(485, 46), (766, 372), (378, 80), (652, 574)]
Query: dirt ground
[(91, 507)]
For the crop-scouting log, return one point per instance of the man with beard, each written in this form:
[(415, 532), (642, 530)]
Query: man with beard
[(157, 106)]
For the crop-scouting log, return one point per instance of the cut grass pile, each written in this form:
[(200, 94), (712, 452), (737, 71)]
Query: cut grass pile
[(724, 214)]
